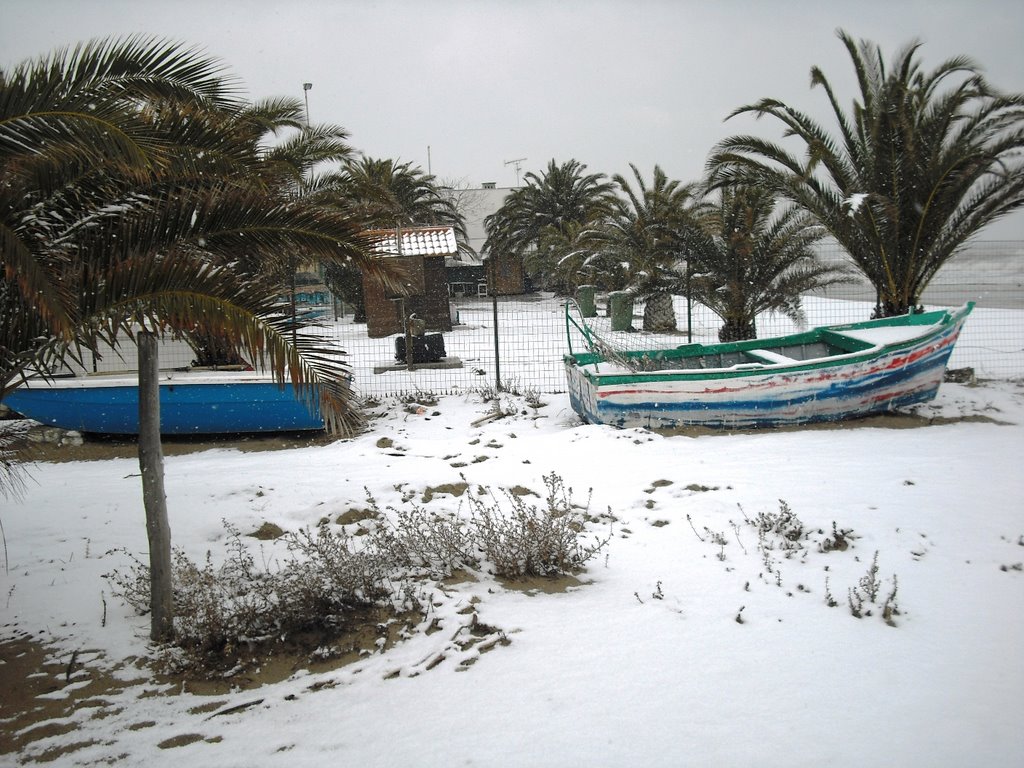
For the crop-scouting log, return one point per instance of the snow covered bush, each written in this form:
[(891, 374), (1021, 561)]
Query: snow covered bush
[(330, 582), (218, 608), (327, 575), (867, 592), (782, 530), (524, 540), (514, 539), (426, 541)]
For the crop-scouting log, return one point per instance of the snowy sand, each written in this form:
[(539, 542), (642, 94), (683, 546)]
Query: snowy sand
[(642, 664)]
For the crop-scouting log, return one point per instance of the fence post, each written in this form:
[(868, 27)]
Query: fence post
[(497, 354)]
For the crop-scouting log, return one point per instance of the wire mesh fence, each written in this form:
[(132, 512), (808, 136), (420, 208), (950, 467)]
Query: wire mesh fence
[(517, 342)]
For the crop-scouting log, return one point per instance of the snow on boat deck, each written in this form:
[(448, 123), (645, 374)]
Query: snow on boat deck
[(892, 334), (166, 377)]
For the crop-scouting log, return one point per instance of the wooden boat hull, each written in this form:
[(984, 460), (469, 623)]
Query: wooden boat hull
[(188, 405), (777, 391)]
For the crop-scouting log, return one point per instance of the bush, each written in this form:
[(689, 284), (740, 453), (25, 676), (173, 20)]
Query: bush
[(515, 539), (527, 541), (427, 542), (784, 526), (218, 609), (327, 576), (331, 581)]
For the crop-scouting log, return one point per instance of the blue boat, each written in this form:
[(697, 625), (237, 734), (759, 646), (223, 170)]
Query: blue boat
[(191, 403)]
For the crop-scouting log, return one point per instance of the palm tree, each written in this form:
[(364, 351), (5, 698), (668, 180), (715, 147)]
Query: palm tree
[(291, 160), (551, 202), (644, 231), (286, 150), (751, 258), (131, 205), (569, 258), (384, 194), (921, 163)]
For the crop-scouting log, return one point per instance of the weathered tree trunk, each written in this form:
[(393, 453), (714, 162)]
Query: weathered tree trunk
[(893, 308), (151, 463), (213, 350), (659, 312), (737, 330)]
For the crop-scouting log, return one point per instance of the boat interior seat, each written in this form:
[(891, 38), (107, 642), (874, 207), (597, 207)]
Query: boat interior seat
[(767, 356), (842, 343)]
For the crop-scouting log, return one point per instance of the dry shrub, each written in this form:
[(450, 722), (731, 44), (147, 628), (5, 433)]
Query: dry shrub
[(329, 579), (522, 541)]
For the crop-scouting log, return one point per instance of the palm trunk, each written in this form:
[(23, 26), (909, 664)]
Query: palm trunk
[(154, 499), (737, 329), (659, 312), (358, 308), (895, 308)]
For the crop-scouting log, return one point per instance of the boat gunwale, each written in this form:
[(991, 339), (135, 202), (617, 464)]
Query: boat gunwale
[(168, 377)]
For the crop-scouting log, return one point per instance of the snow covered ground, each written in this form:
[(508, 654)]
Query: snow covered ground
[(672, 650)]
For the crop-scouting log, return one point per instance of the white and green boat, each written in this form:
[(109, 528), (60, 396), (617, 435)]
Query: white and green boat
[(825, 374)]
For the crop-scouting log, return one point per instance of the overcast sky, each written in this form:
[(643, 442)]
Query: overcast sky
[(607, 82)]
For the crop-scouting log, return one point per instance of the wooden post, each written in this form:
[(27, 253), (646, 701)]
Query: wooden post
[(154, 498)]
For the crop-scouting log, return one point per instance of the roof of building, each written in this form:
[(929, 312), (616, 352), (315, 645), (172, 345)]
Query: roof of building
[(416, 241)]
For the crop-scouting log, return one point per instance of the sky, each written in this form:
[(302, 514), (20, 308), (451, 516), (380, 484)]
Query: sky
[(486, 91)]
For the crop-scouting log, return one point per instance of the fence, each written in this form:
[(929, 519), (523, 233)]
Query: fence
[(518, 342)]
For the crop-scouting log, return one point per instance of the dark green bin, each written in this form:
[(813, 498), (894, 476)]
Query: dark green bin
[(620, 309), (585, 298)]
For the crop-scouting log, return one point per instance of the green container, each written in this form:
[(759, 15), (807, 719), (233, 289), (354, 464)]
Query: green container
[(585, 298), (620, 309)]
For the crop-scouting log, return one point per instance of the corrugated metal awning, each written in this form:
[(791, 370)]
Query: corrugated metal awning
[(416, 241)]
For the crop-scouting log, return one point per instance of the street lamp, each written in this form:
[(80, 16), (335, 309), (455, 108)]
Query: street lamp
[(294, 265)]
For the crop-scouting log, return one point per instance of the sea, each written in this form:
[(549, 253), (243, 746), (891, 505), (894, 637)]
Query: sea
[(989, 273)]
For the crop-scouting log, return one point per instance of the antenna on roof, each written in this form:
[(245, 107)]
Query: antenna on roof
[(517, 163)]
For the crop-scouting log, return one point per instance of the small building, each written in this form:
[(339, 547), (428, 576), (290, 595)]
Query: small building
[(422, 251), (312, 296), (466, 277)]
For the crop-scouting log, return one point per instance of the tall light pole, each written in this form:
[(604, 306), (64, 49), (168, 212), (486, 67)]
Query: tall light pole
[(294, 265)]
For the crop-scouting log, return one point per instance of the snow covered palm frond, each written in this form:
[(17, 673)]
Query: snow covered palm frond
[(14, 452)]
